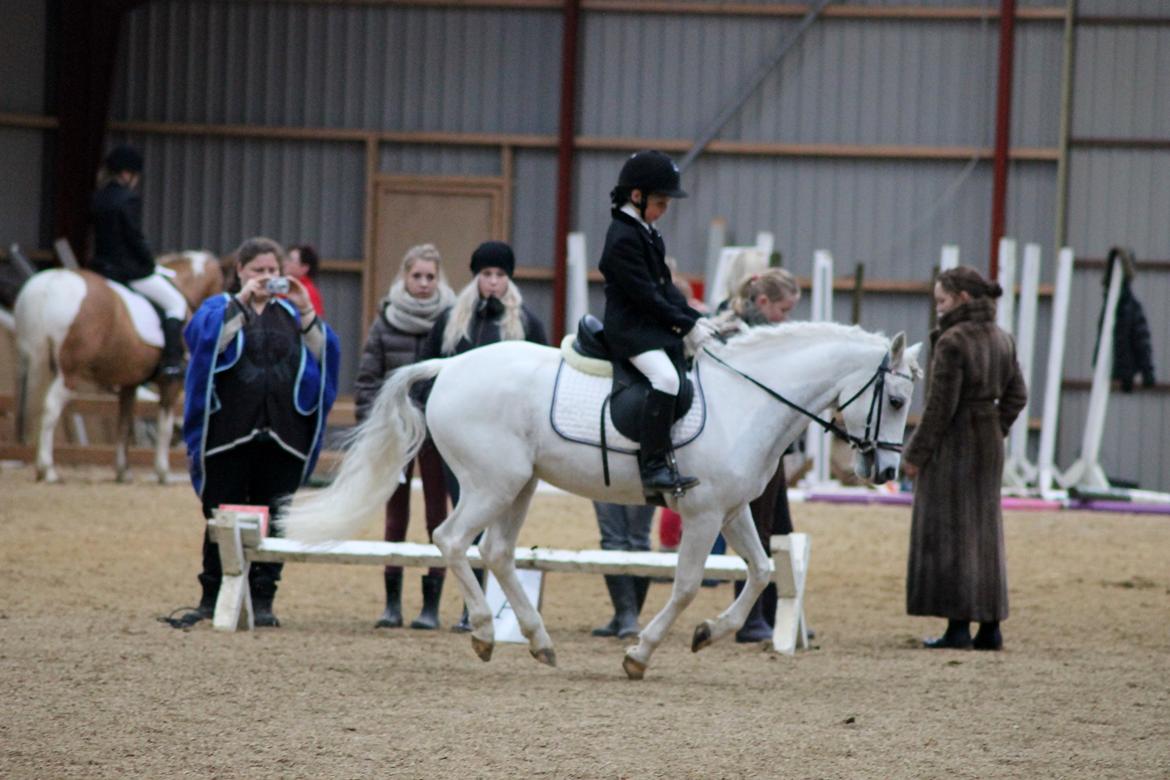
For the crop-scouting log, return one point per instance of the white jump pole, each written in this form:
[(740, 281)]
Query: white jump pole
[(949, 258), (1005, 312), (819, 441), (716, 240), (1018, 470), (1087, 471), (766, 242), (1046, 462), (578, 283)]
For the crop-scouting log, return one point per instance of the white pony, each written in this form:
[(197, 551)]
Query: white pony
[(489, 415)]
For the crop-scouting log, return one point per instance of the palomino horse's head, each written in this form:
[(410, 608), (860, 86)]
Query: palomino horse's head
[(874, 413), (198, 275)]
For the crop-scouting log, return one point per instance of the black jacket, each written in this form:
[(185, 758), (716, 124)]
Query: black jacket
[(643, 308), (120, 250), (1132, 352), (483, 329)]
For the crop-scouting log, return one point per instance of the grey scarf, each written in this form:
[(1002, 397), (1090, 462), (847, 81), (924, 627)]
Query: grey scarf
[(414, 315)]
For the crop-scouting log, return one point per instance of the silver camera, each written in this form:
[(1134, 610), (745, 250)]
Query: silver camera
[(277, 285)]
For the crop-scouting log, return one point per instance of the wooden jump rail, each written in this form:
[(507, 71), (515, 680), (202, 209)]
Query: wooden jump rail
[(240, 534)]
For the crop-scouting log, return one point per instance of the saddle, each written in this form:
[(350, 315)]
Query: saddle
[(146, 316), (629, 388)]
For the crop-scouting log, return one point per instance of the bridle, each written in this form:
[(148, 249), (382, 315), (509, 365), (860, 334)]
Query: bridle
[(866, 444)]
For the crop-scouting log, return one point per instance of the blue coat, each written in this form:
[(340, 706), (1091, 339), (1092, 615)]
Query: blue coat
[(315, 391)]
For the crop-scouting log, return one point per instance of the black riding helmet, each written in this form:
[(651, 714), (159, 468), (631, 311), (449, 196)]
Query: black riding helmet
[(650, 171)]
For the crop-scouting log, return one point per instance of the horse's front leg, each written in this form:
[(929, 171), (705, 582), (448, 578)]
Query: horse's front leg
[(498, 548), (453, 537), (699, 532), (56, 399), (740, 533), (166, 426), (125, 426)]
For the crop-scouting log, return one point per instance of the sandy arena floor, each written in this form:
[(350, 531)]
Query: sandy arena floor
[(92, 686)]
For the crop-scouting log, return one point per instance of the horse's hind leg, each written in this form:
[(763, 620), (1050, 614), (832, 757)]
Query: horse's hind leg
[(166, 425), (699, 535), (55, 400), (125, 424), (498, 549), (741, 534), (473, 513)]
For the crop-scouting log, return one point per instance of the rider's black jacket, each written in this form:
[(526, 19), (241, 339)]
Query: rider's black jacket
[(120, 250)]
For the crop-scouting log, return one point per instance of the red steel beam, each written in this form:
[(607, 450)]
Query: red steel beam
[(570, 17), (1003, 112)]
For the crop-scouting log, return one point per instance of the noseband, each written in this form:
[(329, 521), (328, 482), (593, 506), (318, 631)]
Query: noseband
[(873, 419)]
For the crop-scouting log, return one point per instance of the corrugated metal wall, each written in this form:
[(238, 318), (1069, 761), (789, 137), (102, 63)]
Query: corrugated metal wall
[(22, 90), (371, 67)]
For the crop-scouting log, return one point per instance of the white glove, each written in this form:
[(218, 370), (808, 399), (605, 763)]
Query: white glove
[(703, 331)]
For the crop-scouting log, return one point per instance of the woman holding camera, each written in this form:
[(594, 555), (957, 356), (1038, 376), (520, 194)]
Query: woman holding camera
[(261, 381)]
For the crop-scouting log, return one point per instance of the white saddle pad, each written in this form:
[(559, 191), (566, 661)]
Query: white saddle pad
[(576, 412), (142, 314)]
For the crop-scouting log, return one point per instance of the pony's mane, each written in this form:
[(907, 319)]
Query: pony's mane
[(802, 332)]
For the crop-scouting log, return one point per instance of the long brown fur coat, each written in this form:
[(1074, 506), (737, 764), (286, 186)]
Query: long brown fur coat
[(957, 568)]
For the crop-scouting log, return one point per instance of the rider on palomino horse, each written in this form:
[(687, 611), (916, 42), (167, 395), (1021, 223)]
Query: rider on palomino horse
[(646, 318), (122, 254)]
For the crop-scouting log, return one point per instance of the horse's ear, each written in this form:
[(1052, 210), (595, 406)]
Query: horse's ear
[(912, 360), (897, 347)]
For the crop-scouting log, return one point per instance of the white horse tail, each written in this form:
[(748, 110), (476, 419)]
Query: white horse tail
[(376, 452)]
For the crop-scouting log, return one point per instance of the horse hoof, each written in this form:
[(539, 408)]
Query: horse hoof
[(49, 476), (702, 637), (163, 477), (546, 656), (634, 668), (124, 478), (482, 649)]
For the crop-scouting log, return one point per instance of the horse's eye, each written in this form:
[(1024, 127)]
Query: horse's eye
[(897, 402)]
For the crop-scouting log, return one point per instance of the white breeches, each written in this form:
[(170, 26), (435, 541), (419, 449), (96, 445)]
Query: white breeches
[(163, 294), (656, 367)]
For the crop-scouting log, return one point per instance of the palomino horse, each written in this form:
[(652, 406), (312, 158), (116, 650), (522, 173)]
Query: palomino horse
[(72, 325), (489, 415)]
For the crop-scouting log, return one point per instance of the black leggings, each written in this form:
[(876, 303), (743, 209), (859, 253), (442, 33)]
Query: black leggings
[(259, 473)]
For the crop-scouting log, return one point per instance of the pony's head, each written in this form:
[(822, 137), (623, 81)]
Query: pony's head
[(874, 413)]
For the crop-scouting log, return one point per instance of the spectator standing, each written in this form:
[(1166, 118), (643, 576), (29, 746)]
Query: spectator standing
[(303, 263)]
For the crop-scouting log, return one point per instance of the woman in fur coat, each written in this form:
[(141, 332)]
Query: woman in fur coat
[(957, 569)]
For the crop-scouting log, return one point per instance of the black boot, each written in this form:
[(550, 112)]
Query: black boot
[(625, 605), (464, 624), (428, 617), (610, 628), (988, 636), (262, 615), (641, 588), (171, 366), (392, 615), (656, 459), (957, 637), (755, 628)]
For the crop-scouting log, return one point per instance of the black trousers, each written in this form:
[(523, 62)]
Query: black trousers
[(258, 473)]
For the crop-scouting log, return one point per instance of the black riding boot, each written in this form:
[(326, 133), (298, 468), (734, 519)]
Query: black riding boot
[(957, 637), (171, 366), (755, 628), (988, 637), (659, 472), (392, 615), (641, 587), (432, 590), (262, 615), (464, 624)]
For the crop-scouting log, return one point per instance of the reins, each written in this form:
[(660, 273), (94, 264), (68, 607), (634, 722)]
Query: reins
[(865, 444)]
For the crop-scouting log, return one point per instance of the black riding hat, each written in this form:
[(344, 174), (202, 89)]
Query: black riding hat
[(124, 158), (652, 172)]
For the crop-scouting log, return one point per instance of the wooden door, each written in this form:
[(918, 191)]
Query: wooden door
[(454, 214)]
